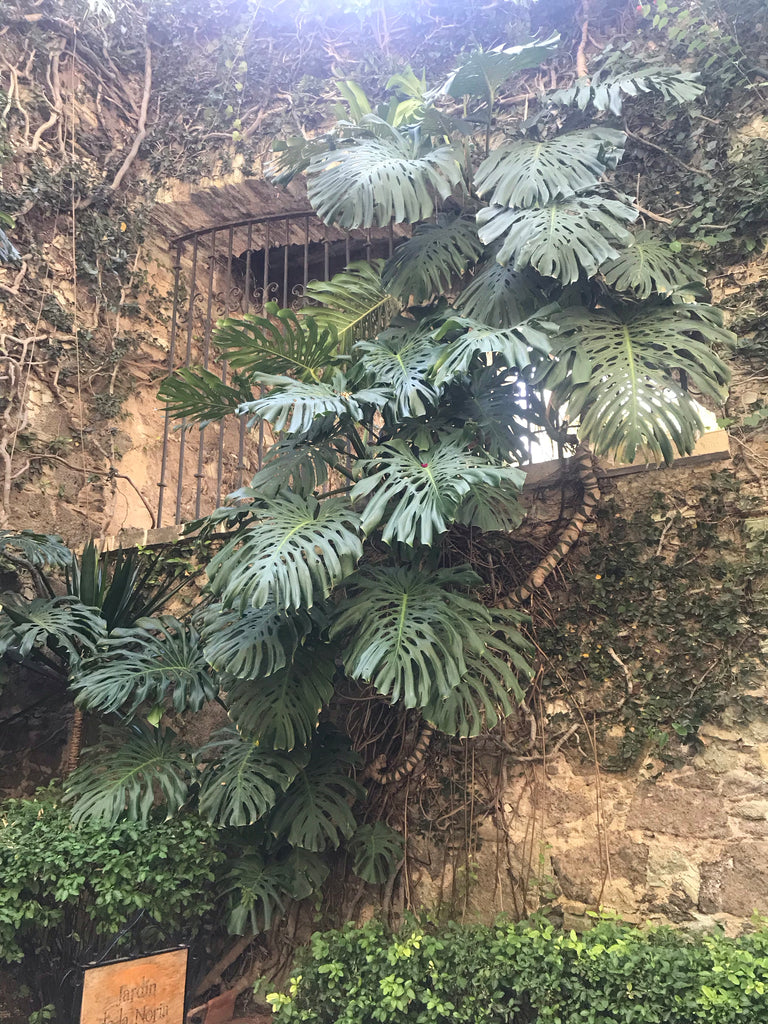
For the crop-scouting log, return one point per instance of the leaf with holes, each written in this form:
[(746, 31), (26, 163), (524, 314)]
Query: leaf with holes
[(281, 711), (298, 463), (417, 496), (315, 812), (647, 266), (529, 173), (617, 371), (376, 852), (39, 549), (296, 406), (407, 631), (241, 781), (159, 661), (294, 549), (61, 623), (607, 91), (354, 302), (561, 239), (500, 296), (400, 362), (514, 345), (482, 697), (252, 643), (436, 254), (277, 345), (389, 175), (125, 776), (485, 71)]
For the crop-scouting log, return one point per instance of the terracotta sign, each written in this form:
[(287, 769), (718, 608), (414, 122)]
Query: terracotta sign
[(150, 988)]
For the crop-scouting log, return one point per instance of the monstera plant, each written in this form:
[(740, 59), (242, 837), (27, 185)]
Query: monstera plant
[(402, 404)]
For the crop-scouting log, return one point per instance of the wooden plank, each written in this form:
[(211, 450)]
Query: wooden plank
[(146, 989)]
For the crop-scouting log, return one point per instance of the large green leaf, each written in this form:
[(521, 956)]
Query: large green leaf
[(619, 373), (606, 91), (494, 506), (315, 812), (485, 71), (408, 631), (515, 346), (295, 549), (354, 302), (252, 643), (126, 776), (388, 176), (646, 266), (163, 661), (532, 173), (281, 711), (297, 462), (39, 549), (376, 852), (278, 344), (418, 495), (196, 394), (61, 623), (400, 362), (260, 886), (500, 295), (492, 405), (427, 263), (294, 405), (482, 697), (242, 781), (561, 239)]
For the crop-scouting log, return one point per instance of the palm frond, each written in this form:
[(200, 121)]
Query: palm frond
[(514, 345), (618, 372), (62, 623), (400, 361), (124, 778), (252, 643), (196, 394), (315, 812), (408, 631), (39, 549), (483, 696), (376, 852), (354, 302), (242, 782), (281, 711), (279, 344), (427, 263), (418, 495), (161, 661), (529, 173), (607, 91), (561, 239), (387, 176), (485, 71), (500, 296), (646, 266), (296, 548)]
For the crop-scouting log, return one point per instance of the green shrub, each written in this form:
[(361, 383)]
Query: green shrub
[(71, 895), (526, 973)]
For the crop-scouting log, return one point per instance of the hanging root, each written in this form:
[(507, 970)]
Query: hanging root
[(377, 769), (582, 462)]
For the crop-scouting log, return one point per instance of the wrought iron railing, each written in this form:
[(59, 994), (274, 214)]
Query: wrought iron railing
[(224, 271)]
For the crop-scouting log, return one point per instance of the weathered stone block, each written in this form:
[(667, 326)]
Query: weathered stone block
[(678, 812)]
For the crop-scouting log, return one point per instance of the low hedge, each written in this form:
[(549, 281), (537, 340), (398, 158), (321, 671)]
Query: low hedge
[(525, 973)]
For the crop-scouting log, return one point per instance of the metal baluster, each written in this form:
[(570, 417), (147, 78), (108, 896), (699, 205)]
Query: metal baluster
[(206, 359), (220, 472), (246, 306), (171, 353), (286, 300), (187, 361)]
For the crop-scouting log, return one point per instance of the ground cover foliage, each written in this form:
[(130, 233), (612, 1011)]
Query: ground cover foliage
[(528, 973), (411, 394)]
